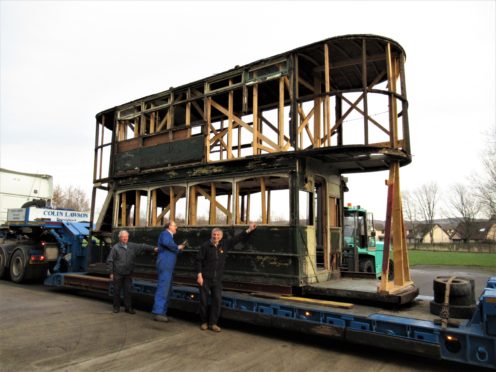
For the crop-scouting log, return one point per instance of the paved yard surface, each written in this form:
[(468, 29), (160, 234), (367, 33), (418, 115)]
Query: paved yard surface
[(45, 330)]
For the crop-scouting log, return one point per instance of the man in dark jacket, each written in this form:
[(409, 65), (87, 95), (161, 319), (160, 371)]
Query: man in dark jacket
[(210, 267), (120, 263)]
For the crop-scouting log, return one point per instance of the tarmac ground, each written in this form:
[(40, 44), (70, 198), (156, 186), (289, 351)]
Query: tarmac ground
[(58, 330)]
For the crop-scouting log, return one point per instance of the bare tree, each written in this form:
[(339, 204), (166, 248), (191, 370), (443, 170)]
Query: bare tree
[(71, 197), (466, 206), (411, 213), (427, 198), (486, 183)]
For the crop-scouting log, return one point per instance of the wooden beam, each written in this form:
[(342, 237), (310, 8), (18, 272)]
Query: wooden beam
[(246, 126)]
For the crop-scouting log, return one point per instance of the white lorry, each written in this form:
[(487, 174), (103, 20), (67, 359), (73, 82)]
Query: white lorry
[(18, 188)]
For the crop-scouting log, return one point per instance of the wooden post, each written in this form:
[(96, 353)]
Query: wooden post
[(123, 209), (247, 216), (327, 99), (230, 123), (255, 119), (395, 225), (229, 215), (264, 200), (152, 122), (268, 205), (137, 207), (280, 119), (365, 94), (238, 204), (188, 111), (213, 207), (392, 100), (172, 204), (154, 207), (192, 205), (209, 123), (317, 112)]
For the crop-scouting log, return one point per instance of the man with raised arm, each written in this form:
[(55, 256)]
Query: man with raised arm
[(210, 268), (120, 263)]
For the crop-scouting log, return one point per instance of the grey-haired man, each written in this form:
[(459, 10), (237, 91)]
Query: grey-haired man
[(120, 263)]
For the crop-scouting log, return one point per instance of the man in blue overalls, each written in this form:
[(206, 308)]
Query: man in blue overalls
[(166, 261)]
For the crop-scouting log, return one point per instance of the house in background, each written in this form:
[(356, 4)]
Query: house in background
[(476, 231)]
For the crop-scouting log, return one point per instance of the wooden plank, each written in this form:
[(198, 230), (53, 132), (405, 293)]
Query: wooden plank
[(327, 99), (341, 305)]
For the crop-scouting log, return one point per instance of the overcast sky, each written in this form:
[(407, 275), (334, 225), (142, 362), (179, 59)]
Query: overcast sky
[(63, 62)]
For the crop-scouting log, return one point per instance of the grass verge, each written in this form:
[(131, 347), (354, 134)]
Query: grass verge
[(483, 260)]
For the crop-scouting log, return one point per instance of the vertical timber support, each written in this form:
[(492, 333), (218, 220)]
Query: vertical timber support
[(255, 120), (327, 99), (395, 234)]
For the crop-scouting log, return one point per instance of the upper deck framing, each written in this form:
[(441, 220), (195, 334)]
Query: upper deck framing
[(341, 100)]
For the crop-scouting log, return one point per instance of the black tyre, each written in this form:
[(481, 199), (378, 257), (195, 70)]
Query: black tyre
[(3, 264), (366, 265), (460, 287), (460, 312), (18, 267)]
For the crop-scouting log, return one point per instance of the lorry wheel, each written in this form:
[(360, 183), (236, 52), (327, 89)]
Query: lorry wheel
[(3, 264), (366, 265), (18, 269)]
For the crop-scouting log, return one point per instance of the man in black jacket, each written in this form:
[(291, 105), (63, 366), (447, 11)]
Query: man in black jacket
[(210, 267), (120, 263)]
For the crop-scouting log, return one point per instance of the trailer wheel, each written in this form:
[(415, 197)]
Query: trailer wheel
[(3, 263), (366, 265), (18, 267)]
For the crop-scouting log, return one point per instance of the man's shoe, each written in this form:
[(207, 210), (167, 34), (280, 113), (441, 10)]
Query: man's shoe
[(161, 318), (130, 311), (116, 310), (215, 328), (204, 327)]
